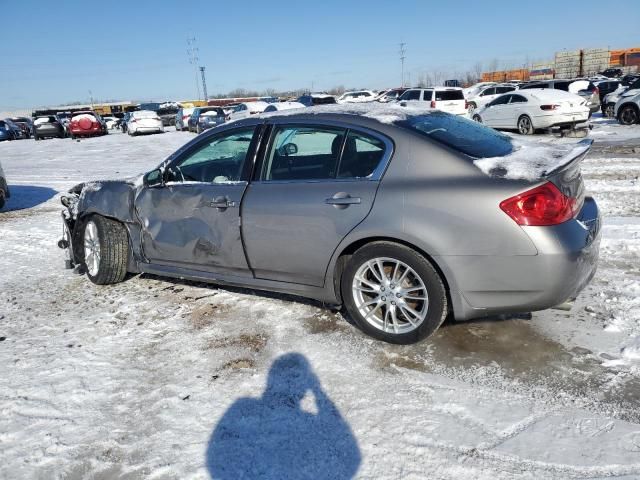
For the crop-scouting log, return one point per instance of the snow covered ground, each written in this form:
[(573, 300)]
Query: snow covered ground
[(146, 378)]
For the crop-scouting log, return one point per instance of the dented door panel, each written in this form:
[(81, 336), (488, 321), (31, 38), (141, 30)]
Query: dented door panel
[(194, 225)]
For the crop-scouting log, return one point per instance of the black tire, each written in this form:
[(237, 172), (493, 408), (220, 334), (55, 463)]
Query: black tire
[(472, 108), (114, 250), (525, 126), (36, 137), (2, 198), (629, 115), (608, 110), (477, 118), (436, 291)]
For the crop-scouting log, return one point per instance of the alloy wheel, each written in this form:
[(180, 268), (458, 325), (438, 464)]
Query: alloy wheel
[(390, 295), (92, 248), (524, 125), (628, 116)]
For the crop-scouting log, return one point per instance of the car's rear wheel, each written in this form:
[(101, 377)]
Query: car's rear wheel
[(525, 127), (106, 250), (472, 108), (628, 115), (393, 293), (2, 198), (477, 118)]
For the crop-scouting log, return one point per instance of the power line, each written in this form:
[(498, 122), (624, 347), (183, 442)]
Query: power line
[(204, 84), (192, 53), (402, 52)]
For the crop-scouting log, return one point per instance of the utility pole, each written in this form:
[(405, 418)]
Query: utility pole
[(204, 84), (91, 99), (402, 52), (192, 52)]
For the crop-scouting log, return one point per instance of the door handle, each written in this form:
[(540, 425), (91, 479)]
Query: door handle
[(222, 203), (342, 200)]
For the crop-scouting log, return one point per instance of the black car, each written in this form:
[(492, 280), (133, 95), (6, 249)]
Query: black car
[(629, 79), (48, 126), (313, 99), (209, 118), (612, 72), (25, 124), (605, 87), (167, 115)]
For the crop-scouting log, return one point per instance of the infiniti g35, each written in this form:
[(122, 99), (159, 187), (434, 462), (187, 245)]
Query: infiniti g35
[(390, 218)]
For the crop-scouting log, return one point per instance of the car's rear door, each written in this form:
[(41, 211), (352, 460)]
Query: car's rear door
[(315, 184), (193, 219)]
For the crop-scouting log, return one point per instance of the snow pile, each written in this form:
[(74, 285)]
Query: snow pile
[(531, 161), (382, 112)]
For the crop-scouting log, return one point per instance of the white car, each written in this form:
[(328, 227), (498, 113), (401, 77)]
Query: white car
[(276, 107), (247, 109), (110, 121), (144, 121), (474, 89), (446, 99), (627, 109), (622, 92), (357, 96), (528, 110), (485, 95)]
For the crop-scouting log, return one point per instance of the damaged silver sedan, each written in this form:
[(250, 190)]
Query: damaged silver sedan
[(390, 218)]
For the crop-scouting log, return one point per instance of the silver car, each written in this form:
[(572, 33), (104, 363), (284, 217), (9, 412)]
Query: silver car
[(392, 220)]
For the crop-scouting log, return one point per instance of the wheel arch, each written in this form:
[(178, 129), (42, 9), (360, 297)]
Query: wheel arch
[(345, 253)]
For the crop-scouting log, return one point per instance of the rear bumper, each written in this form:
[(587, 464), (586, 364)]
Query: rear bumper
[(559, 120), (566, 262)]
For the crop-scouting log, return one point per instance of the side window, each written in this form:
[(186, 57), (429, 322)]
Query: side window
[(502, 100), (488, 91), (303, 153), (427, 95), (517, 99), (219, 160), (562, 86), (411, 95), (360, 156), (504, 89)]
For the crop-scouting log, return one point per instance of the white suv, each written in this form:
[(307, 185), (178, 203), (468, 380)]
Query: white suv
[(487, 94), (446, 99), (627, 109)]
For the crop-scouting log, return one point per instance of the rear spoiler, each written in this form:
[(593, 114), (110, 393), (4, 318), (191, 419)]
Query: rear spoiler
[(571, 159)]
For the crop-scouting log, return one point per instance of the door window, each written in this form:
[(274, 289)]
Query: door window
[(303, 153), (502, 100), (218, 160), (488, 91), (427, 95), (411, 95), (517, 99), (360, 156)]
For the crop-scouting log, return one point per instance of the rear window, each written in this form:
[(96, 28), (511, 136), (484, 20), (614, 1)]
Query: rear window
[(443, 95), (323, 100), (465, 136)]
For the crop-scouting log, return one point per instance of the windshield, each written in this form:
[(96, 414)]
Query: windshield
[(465, 136)]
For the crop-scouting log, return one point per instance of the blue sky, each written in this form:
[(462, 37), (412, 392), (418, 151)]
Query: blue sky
[(56, 52)]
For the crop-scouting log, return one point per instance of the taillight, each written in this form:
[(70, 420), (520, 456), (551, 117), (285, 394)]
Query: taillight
[(466, 105), (184, 117), (596, 91), (549, 107), (543, 205), (433, 104)]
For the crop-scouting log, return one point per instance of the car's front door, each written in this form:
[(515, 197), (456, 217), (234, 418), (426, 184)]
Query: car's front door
[(316, 183), (192, 220), (497, 112)]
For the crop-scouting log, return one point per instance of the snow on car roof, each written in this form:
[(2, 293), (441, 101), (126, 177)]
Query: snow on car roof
[(548, 94), (145, 114), (382, 112)]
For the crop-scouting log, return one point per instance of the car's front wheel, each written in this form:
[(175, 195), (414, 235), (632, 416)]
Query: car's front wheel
[(393, 293), (106, 250), (628, 115), (609, 110), (525, 127), (477, 118)]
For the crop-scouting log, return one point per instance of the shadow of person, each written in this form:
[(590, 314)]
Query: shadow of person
[(282, 435)]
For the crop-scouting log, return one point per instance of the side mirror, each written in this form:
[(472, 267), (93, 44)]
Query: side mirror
[(153, 179)]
